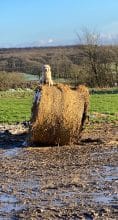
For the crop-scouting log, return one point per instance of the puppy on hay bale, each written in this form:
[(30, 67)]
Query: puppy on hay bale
[(46, 77), (59, 116)]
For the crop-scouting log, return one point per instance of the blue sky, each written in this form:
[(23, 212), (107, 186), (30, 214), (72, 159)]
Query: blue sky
[(54, 22)]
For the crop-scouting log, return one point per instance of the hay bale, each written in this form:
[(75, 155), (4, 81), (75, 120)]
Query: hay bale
[(57, 118), (83, 90)]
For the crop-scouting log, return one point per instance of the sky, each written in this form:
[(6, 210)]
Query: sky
[(25, 23)]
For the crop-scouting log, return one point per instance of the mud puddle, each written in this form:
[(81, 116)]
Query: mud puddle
[(9, 203), (11, 152)]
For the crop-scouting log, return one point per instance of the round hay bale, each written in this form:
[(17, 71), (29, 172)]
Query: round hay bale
[(57, 117)]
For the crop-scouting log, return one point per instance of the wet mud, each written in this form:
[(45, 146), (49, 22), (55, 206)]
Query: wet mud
[(67, 182)]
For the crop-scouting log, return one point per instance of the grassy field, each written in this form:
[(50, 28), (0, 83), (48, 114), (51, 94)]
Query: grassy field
[(15, 106), (104, 107)]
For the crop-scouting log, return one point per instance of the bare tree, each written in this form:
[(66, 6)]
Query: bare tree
[(97, 59)]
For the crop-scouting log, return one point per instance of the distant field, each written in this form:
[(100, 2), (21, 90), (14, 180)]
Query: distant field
[(30, 77), (15, 106)]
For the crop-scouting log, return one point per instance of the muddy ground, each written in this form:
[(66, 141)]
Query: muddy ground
[(69, 182)]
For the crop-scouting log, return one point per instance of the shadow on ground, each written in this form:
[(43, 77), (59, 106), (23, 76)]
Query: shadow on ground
[(9, 140)]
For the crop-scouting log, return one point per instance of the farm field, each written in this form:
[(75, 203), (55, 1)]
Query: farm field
[(15, 106), (59, 110)]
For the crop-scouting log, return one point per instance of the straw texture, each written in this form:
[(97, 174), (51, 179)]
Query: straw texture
[(59, 116)]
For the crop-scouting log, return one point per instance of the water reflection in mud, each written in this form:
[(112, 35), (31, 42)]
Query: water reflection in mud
[(11, 152), (9, 203), (110, 173)]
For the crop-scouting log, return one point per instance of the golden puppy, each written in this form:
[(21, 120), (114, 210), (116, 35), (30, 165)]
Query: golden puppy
[(46, 77)]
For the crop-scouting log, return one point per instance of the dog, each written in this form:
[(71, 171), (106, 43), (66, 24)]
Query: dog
[(46, 77)]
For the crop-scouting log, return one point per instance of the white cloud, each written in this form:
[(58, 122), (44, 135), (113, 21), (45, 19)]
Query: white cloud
[(44, 42), (50, 40)]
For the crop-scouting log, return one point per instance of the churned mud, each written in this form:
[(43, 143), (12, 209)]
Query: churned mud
[(68, 182)]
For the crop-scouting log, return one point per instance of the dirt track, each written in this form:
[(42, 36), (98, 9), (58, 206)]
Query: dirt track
[(69, 182)]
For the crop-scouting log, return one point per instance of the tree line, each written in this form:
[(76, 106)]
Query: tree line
[(89, 62)]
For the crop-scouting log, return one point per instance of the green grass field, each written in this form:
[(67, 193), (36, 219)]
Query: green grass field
[(15, 106), (104, 107)]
